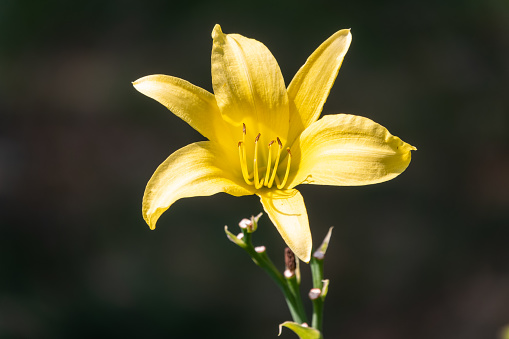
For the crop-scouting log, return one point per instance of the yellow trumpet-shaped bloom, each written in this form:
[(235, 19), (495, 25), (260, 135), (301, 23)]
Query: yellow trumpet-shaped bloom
[(264, 138)]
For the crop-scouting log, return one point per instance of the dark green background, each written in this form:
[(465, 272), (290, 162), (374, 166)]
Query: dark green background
[(423, 256)]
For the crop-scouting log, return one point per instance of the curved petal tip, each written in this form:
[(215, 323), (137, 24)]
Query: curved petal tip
[(216, 31)]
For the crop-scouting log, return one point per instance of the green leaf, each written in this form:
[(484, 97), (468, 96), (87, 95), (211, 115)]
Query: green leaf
[(304, 332)]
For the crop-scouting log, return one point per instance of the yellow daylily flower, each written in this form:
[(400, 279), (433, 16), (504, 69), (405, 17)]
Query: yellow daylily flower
[(264, 138)]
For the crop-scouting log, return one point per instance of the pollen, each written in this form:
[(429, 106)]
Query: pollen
[(263, 171)]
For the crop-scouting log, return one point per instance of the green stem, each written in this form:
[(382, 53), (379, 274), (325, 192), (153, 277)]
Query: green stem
[(295, 290), (317, 319), (293, 300), (317, 273)]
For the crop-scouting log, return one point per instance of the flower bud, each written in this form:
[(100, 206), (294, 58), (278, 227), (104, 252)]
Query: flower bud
[(290, 262), (288, 274), (245, 223), (315, 293), (260, 249), (250, 225)]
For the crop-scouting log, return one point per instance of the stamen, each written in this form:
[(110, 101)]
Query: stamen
[(287, 170), (269, 185), (277, 181), (243, 163), (267, 174), (257, 182), (249, 176), (268, 179)]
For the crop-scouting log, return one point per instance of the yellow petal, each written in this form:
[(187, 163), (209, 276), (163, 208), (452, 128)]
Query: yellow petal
[(192, 104), (310, 87), (348, 150), (190, 171), (249, 86), (287, 212)]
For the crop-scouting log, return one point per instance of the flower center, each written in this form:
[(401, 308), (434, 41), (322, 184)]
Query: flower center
[(263, 173)]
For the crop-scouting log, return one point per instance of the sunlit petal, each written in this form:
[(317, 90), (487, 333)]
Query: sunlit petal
[(192, 104), (348, 150), (189, 172), (265, 139), (310, 87), (248, 86), (288, 213)]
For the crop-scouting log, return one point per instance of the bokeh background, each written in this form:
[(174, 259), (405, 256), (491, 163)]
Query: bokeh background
[(423, 256)]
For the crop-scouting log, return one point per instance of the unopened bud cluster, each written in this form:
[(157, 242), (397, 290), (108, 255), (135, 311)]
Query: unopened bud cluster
[(247, 224), (290, 281)]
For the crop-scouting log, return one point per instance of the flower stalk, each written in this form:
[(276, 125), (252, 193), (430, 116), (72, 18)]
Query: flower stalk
[(292, 276), (289, 281), (259, 255), (320, 286)]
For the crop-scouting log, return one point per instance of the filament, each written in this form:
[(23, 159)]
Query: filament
[(266, 174), (243, 163), (274, 171), (287, 169)]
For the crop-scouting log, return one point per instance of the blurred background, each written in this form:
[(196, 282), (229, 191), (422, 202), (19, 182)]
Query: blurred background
[(423, 256)]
